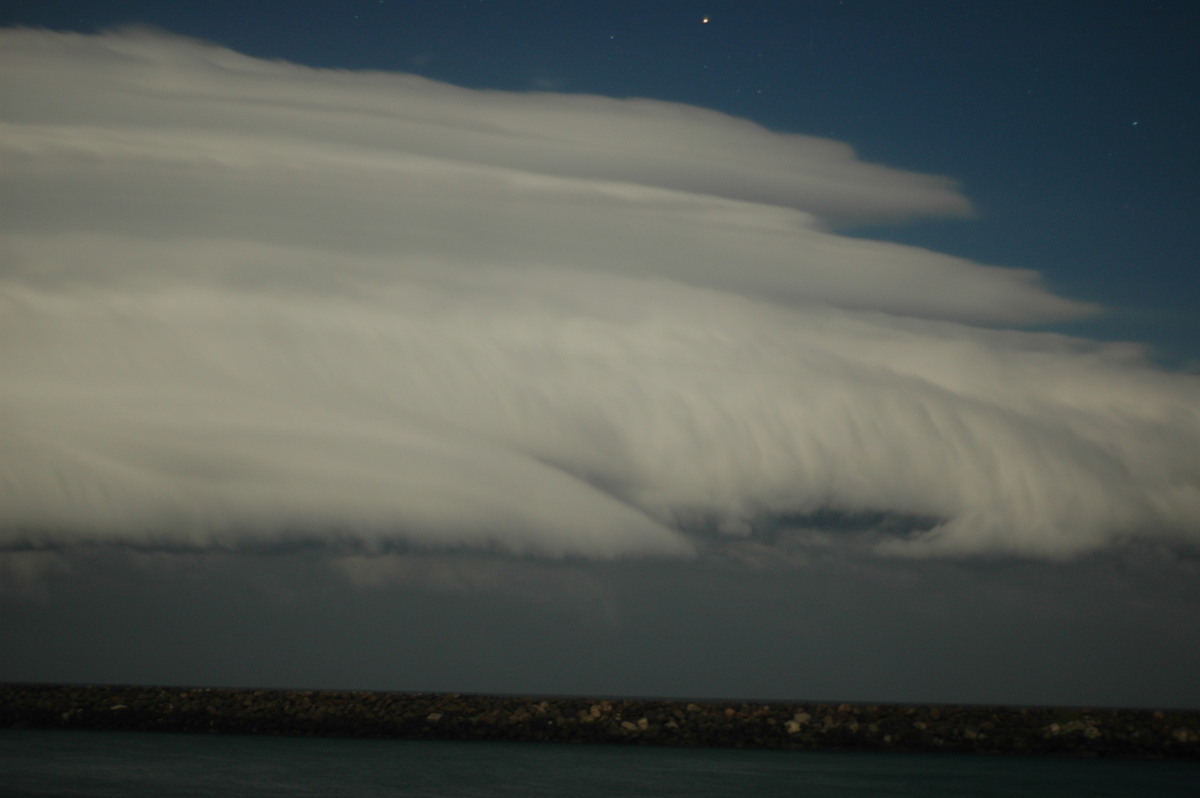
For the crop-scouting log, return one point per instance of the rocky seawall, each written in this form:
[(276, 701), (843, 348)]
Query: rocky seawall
[(440, 716)]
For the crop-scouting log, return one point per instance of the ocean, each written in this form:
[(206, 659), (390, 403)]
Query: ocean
[(135, 764)]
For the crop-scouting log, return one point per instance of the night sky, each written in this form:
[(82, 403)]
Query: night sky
[(1070, 127), (819, 350)]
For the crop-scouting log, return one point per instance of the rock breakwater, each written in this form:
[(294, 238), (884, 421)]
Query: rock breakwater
[(449, 716)]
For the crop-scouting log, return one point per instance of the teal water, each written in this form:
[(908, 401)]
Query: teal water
[(131, 765)]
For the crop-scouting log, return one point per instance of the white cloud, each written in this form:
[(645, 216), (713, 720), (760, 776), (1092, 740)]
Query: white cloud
[(246, 303)]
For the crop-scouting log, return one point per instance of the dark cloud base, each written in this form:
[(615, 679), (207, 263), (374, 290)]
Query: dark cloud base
[(822, 624)]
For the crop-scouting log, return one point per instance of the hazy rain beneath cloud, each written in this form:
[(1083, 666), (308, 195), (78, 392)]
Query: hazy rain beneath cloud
[(251, 304)]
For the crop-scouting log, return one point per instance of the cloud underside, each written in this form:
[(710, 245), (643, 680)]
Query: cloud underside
[(252, 304)]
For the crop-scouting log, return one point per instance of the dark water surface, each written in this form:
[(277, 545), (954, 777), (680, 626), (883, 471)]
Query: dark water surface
[(89, 763)]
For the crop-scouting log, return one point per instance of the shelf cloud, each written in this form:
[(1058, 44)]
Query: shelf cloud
[(246, 304)]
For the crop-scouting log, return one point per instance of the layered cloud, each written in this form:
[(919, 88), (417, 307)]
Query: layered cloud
[(248, 304)]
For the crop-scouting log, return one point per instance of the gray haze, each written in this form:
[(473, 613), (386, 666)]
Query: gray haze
[(357, 379)]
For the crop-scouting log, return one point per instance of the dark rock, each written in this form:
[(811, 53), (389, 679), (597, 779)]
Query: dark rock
[(841, 726)]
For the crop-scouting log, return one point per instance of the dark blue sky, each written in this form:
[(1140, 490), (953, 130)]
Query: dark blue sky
[(1071, 125)]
